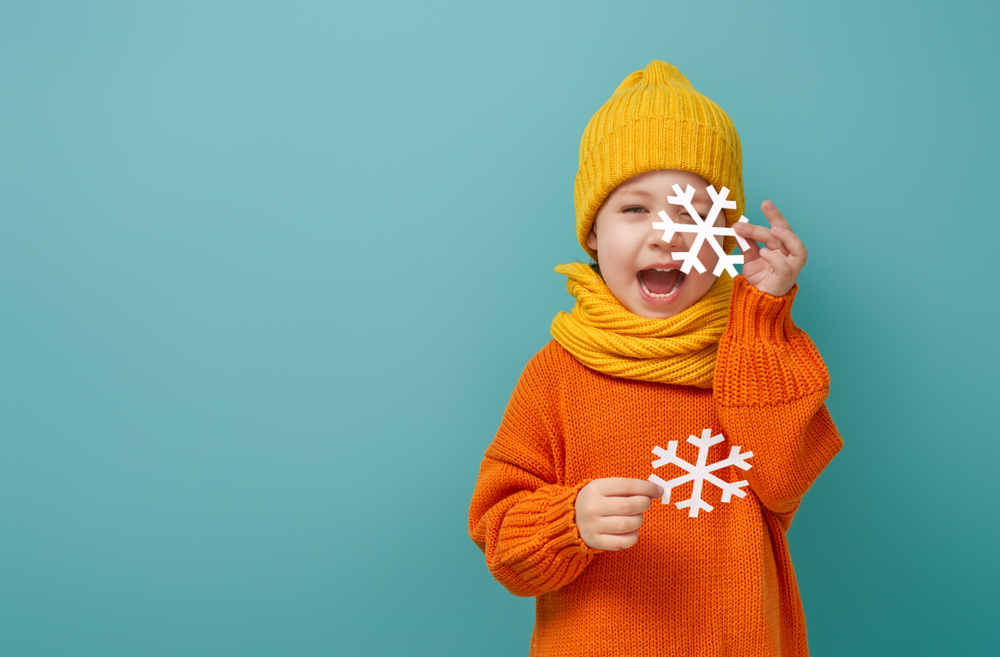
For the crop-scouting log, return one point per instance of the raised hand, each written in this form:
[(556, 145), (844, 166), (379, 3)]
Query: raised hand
[(609, 511), (774, 268)]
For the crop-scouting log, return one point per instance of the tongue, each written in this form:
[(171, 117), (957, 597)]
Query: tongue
[(658, 281)]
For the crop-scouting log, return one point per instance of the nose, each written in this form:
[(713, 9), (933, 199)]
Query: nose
[(663, 227)]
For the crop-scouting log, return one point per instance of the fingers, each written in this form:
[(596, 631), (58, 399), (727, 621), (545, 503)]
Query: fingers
[(609, 511), (774, 217), (617, 525), (775, 267), (613, 542), (752, 232), (622, 506), (624, 486), (746, 230), (794, 251), (782, 278), (760, 234), (791, 244)]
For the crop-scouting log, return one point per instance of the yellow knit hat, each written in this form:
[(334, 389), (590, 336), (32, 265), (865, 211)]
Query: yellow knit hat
[(656, 120)]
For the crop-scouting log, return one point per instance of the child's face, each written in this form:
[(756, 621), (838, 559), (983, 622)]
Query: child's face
[(635, 261)]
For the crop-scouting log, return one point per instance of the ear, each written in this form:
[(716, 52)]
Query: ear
[(592, 239)]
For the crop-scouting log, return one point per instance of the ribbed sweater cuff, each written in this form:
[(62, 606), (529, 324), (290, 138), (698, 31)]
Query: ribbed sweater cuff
[(560, 518), (542, 542), (548, 515), (756, 316), (764, 359)]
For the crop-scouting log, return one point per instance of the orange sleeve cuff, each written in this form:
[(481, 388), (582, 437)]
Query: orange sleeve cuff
[(540, 540), (756, 316), (764, 359)]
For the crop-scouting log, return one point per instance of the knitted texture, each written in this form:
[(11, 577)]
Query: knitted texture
[(656, 120), (718, 584), (605, 336)]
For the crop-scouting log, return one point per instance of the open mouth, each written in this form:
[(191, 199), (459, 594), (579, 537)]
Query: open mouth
[(660, 283)]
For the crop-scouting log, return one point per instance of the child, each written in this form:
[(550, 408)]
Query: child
[(651, 355)]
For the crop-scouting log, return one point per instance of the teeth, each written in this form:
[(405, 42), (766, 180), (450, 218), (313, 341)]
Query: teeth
[(677, 284)]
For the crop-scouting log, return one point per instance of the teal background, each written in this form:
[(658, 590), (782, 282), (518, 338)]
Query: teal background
[(269, 272)]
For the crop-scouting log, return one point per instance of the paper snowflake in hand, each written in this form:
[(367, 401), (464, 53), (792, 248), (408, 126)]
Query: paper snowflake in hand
[(703, 229), (700, 472)]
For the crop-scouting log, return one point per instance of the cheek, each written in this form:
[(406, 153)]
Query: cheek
[(708, 253), (700, 283), (615, 245)]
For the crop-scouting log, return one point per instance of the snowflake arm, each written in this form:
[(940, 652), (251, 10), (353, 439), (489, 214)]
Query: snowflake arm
[(719, 202)]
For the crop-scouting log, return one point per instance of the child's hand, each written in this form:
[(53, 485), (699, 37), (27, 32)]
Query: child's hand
[(609, 511), (774, 268)]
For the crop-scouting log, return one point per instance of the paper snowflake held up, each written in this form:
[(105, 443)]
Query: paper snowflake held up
[(704, 230), (700, 472)]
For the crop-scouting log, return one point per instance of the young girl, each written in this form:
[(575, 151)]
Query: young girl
[(661, 370)]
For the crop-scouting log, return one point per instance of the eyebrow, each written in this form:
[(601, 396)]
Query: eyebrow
[(635, 192), (698, 203)]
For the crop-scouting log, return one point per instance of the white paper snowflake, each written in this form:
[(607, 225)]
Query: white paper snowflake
[(700, 472), (704, 230)]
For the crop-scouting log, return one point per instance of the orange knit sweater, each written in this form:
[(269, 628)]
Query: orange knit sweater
[(718, 584)]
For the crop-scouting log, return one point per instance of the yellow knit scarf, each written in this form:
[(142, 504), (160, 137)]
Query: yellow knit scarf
[(604, 336)]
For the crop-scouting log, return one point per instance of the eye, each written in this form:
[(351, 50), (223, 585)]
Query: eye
[(634, 208), (684, 218)]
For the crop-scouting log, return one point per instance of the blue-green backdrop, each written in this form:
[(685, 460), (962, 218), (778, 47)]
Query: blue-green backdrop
[(269, 271)]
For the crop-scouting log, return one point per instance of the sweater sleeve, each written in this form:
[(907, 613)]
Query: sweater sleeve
[(770, 387), (522, 515)]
